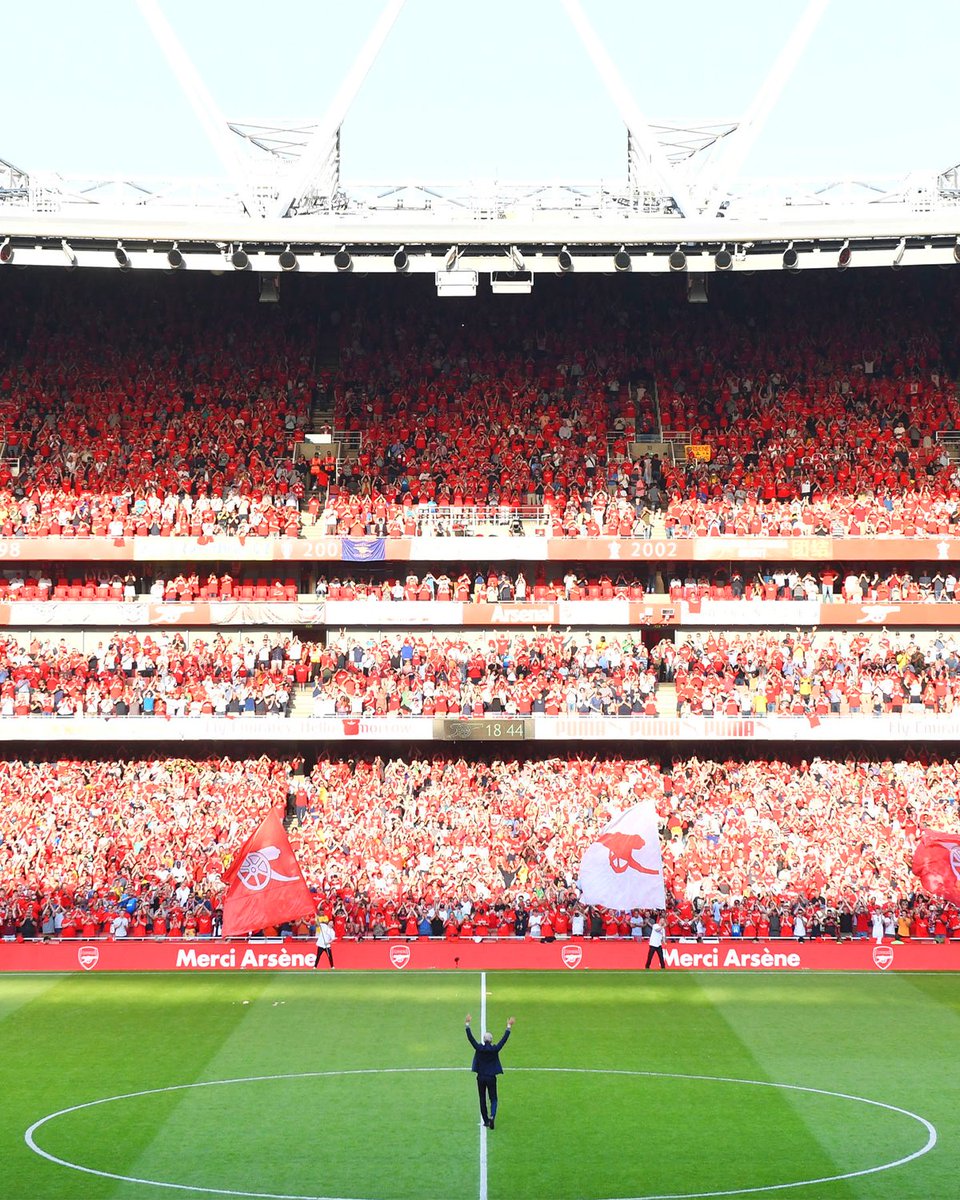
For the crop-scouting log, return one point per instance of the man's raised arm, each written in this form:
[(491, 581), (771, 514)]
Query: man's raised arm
[(503, 1041)]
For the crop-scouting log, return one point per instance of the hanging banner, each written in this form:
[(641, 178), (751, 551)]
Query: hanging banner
[(595, 954)]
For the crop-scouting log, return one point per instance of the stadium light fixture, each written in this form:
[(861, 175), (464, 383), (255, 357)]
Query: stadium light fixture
[(565, 260), (843, 258), (453, 254), (622, 260), (240, 259), (511, 283), (723, 259), (516, 258), (791, 259), (401, 260), (456, 283), (956, 251), (69, 253), (6, 251), (898, 254), (342, 260), (122, 257), (287, 260), (175, 257), (678, 260)]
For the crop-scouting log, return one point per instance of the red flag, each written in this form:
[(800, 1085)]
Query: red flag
[(937, 861), (265, 885)]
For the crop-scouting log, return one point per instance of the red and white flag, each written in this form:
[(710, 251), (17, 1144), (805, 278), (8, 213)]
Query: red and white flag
[(937, 862), (623, 869), (265, 885)]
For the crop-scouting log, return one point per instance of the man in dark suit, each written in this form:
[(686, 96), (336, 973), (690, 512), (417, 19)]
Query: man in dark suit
[(486, 1066)]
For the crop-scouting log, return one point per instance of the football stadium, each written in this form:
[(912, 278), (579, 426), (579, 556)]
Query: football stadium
[(477, 670)]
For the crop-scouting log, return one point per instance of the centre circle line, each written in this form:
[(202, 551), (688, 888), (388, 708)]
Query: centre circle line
[(30, 1139)]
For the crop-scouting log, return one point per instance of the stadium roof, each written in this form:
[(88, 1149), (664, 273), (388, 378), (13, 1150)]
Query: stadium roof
[(682, 202)]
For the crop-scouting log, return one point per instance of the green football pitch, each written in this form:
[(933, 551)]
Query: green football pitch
[(334, 1084)]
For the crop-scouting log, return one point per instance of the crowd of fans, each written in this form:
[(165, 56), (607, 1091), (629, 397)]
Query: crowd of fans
[(166, 673), (181, 415), (183, 421), (152, 675), (818, 409), (399, 847), (551, 673), (498, 585)]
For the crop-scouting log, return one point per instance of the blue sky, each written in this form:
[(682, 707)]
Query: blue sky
[(483, 89)]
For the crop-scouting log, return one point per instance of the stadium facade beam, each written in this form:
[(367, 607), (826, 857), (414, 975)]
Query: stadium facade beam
[(205, 109), (714, 183), (493, 264), (322, 144), (637, 124)]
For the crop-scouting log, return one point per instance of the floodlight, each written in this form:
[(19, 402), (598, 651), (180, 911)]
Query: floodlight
[(956, 250), (723, 259), (451, 260), (899, 253), (240, 259), (401, 260), (511, 283), (456, 283), (565, 260), (69, 253), (122, 257), (342, 260), (6, 251), (287, 260), (175, 257), (791, 259), (622, 260), (843, 258), (678, 260)]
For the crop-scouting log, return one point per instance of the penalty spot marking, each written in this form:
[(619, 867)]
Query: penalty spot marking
[(29, 1137)]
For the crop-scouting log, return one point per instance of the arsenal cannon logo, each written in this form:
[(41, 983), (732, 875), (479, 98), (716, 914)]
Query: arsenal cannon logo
[(571, 956), (883, 956), (88, 956), (399, 956)]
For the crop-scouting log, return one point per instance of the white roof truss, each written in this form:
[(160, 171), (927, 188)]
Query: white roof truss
[(714, 183), (681, 187), (323, 147), (642, 136), (201, 101)]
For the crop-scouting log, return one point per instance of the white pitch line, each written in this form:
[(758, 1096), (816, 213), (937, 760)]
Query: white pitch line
[(483, 1128), (29, 1134)]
